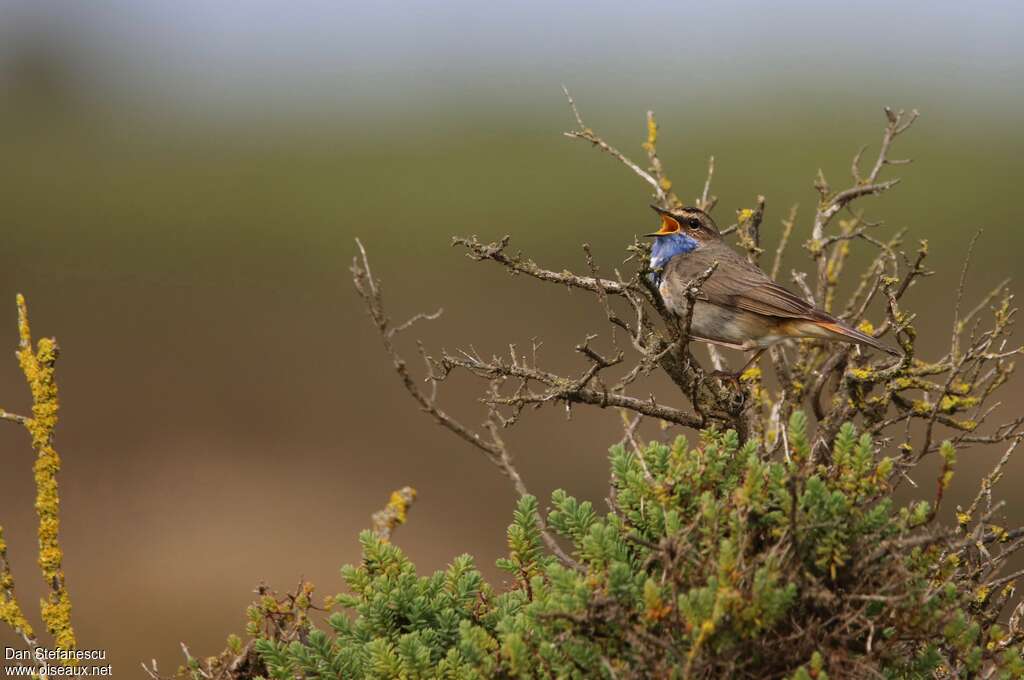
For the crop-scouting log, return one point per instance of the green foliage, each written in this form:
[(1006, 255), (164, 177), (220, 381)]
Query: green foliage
[(716, 560)]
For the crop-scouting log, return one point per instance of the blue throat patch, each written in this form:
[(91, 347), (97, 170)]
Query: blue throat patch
[(665, 248)]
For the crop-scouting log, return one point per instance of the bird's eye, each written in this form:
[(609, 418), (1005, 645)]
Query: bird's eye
[(693, 223)]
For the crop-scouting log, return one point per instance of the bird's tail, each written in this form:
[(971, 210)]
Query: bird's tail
[(839, 328)]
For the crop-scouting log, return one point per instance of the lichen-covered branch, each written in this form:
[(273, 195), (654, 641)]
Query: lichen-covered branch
[(37, 364), (393, 514), (10, 610)]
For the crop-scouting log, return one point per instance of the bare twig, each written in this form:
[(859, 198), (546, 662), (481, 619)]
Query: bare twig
[(706, 201), (13, 417), (494, 447), (787, 230), (585, 133), (831, 203)]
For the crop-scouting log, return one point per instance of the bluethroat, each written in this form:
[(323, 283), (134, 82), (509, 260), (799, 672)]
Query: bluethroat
[(739, 306)]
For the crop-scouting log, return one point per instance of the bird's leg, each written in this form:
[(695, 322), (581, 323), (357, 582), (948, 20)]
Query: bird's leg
[(753, 360), (734, 378)]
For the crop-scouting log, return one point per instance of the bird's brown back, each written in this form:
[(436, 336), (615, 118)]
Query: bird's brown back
[(736, 283)]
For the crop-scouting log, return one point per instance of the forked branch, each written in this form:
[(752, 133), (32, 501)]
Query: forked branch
[(492, 446)]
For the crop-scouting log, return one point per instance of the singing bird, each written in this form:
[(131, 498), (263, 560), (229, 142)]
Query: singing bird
[(739, 306)]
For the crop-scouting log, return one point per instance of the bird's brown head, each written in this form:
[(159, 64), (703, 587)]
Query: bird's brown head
[(691, 222)]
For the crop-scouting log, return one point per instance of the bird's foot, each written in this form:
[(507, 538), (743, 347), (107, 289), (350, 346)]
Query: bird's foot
[(738, 393)]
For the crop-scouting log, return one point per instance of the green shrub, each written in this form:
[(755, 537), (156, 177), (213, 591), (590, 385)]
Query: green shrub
[(715, 561)]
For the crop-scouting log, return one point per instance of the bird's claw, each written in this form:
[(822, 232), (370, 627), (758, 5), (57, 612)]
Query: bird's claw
[(739, 395)]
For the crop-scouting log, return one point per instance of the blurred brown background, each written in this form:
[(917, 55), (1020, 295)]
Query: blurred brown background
[(181, 183)]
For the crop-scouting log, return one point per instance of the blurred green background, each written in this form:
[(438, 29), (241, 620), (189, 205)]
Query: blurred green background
[(180, 188)]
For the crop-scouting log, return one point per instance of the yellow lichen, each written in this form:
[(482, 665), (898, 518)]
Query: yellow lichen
[(751, 374), (37, 365), (11, 614), (960, 388), (952, 402), (652, 133), (861, 373), (400, 505), (1000, 533), (394, 513), (10, 610), (921, 407)]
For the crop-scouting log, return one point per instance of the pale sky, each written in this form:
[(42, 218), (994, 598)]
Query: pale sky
[(258, 52)]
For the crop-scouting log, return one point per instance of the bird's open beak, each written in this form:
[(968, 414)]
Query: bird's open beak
[(669, 225)]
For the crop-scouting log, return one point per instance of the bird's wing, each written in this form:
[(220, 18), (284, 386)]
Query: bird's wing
[(761, 297), (737, 283)]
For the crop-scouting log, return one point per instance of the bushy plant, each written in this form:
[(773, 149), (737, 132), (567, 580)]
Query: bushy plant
[(714, 561)]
